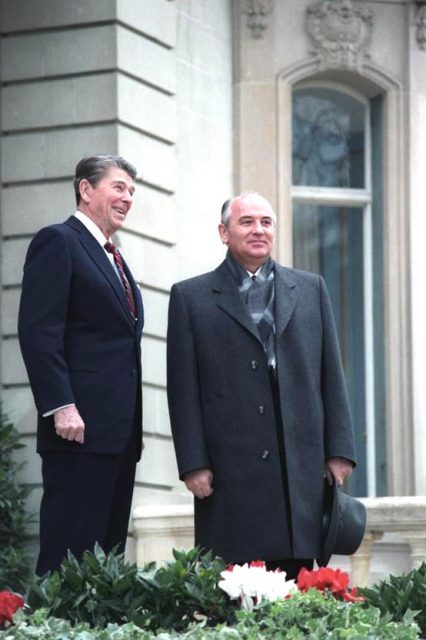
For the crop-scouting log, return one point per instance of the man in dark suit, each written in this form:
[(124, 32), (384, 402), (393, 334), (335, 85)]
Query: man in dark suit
[(80, 326), (257, 397)]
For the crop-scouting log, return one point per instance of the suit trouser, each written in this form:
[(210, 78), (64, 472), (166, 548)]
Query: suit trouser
[(87, 499)]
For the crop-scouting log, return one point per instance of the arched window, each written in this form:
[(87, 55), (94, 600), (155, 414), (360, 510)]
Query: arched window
[(337, 232)]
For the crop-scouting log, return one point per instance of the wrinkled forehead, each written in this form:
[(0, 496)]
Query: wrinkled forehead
[(250, 204)]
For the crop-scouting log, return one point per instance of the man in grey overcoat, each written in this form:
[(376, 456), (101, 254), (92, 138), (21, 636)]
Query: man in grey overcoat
[(257, 397)]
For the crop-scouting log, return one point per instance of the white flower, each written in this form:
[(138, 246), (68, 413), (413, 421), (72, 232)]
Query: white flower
[(250, 583)]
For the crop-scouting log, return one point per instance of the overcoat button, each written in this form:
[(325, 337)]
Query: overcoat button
[(134, 373), (254, 364), (265, 454), (261, 409)]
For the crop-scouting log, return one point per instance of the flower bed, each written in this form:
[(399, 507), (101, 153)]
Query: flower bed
[(196, 597)]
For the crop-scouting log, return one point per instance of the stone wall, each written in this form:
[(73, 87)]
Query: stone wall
[(114, 76)]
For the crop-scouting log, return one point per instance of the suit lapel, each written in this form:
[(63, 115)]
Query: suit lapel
[(229, 299), (97, 254), (285, 298)]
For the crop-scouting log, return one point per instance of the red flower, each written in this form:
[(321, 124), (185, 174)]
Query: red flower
[(305, 580), (9, 604), (327, 579), (352, 596), (257, 563), (334, 580)]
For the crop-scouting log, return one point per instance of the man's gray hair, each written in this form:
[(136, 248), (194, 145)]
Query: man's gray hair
[(226, 211), (227, 206), (94, 168)]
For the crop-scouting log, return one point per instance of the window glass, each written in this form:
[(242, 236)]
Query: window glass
[(329, 240), (328, 139)]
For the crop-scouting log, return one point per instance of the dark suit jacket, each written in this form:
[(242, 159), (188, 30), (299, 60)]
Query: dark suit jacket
[(79, 342), (222, 411)]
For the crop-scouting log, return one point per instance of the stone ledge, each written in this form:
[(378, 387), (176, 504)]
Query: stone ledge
[(406, 513), (404, 516), (160, 528)]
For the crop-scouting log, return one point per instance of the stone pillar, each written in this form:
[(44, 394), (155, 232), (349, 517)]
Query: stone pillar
[(160, 529), (417, 542), (255, 135), (416, 159), (360, 561)]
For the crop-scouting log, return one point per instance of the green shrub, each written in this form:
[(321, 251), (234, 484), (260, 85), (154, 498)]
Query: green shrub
[(184, 591), (15, 562), (399, 594), (310, 615), (104, 589), (104, 598), (99, 589), (41, 627), (318, 616)]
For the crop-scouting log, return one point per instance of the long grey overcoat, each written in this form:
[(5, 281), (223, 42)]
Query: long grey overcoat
[(222, 411)]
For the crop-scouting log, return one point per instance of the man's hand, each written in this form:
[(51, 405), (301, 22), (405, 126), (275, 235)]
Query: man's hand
[(339, 468), (199, 482), (69, 424)]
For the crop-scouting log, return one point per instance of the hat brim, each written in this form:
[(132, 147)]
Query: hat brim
[(343, 523), (330, 522)]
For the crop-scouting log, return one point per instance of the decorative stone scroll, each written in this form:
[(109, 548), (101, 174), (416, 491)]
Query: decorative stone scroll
[(257, 12), (421, 26), (340, 31)]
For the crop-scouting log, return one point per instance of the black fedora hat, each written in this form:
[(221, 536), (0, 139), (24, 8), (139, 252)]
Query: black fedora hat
[(343, 523)]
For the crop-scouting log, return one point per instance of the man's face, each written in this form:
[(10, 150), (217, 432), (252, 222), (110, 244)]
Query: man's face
[(249, 231), (108, 202)]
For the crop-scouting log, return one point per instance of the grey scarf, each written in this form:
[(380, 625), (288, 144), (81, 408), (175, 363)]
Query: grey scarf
[(258, 292)]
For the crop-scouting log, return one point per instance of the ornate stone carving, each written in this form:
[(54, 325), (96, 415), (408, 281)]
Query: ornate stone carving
[(421, 26), (257, 12), (341, 32)]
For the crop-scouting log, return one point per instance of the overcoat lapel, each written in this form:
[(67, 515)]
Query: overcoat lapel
[(97, 254), (285, 298), (230, 301)]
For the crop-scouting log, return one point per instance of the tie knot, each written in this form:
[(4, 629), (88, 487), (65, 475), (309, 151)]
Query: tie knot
[(108, 246)]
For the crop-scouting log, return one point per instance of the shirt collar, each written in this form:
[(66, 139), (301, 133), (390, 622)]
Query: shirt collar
[(91, 227), (256, 273)]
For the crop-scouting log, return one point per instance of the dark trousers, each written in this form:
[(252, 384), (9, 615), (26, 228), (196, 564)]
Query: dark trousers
[(87, 499)]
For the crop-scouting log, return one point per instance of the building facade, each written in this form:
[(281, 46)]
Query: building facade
[(319, 105)]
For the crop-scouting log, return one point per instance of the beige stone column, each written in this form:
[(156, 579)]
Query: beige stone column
[(160, 529), (255, 90), (416, 159), (417, 542), (360, 561)]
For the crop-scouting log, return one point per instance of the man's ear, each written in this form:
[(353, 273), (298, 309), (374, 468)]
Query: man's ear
[(85, 190), (223, 232)]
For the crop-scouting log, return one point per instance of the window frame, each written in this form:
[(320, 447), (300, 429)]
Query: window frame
[(361, 199)]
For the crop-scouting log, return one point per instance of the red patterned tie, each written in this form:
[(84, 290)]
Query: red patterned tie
[(119, 264)]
